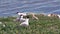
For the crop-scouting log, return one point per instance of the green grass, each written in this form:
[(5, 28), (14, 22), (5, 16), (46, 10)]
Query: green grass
[(45, 25)]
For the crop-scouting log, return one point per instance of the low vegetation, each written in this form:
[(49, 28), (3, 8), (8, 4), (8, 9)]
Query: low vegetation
[(45, 25)]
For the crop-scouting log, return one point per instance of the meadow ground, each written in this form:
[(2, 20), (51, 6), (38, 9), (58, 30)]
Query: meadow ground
[(45, 25)]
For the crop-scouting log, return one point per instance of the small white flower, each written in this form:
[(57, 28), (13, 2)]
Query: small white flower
[(3, 25), (0, 22), (59, 16)]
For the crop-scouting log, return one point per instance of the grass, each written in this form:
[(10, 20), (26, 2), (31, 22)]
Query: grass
[(45, 25)]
